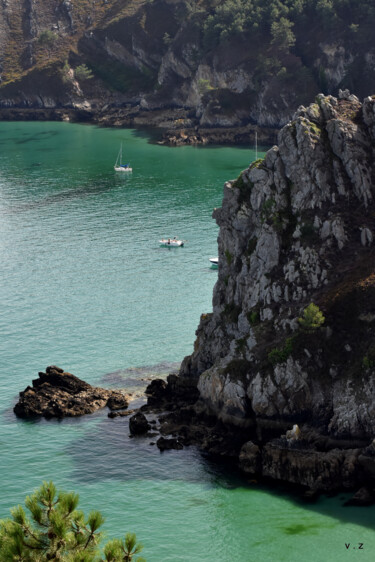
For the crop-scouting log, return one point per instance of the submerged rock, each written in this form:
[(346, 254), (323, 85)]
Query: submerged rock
[(363, 497), (58, 394), (164, 444), (138, 424)]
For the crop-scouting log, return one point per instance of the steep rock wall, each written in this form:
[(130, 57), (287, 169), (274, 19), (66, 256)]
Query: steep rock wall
[(297, 228)]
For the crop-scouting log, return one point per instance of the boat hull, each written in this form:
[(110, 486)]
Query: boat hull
[(171, 243), (122, 169)]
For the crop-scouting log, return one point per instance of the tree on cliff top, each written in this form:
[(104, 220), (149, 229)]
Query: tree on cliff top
[(57, 531)]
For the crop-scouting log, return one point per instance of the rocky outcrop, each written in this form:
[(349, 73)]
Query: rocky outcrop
[(59, 394), (286, 360)]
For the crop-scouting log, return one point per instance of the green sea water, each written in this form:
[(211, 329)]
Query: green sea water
[(85, 285)]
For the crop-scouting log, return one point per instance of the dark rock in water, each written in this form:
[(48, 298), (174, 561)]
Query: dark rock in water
[(166, 444), (138, 424), (117, 402), (120, 414), (156, 392), (58, 394), (310, 496), (250, 458), (363, 497), (171, 394)]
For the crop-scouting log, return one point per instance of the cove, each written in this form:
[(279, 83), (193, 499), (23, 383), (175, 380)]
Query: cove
[(85, 285)]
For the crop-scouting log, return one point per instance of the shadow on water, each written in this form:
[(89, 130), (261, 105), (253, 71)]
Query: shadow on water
[(35, 137), (88, 190), (106, 452), (42, 135), (151, 134)]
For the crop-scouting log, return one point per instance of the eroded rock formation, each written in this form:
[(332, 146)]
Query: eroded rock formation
[(58, 394), (296, 228)]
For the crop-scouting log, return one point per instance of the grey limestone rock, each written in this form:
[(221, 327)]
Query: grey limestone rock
[(297, 228)]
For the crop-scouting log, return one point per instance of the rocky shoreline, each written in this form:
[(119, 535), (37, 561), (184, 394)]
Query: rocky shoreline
[(172, 127), (308, 462)]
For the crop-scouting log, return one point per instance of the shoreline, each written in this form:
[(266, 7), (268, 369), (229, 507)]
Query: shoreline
[(171, 127)]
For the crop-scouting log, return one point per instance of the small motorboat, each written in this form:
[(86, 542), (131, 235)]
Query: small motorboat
[(171, 242), (214, 262)]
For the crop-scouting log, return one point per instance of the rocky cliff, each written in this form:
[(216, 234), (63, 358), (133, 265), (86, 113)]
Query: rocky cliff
[(181, 64), (285, 363)]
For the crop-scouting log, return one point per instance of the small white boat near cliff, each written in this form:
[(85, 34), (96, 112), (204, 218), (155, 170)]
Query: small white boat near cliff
[(171, 242), (119, 166), (214, 262)]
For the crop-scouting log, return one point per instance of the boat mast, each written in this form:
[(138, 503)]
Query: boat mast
[(119, 156), (256, 145)]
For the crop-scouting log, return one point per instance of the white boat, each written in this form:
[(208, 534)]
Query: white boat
[(171, 242), (214, 262), (119, 166)]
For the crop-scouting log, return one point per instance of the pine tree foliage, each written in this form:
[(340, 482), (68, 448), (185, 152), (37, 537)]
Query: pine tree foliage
[(54, 529), (124, 549)]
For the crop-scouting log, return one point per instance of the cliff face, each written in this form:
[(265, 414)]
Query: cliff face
[(298, 228), (220, 64)]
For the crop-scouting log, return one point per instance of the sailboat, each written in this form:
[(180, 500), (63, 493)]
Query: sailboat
[(119, 166), (256, 148)]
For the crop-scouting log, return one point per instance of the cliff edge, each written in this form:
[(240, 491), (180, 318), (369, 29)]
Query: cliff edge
[(286, 361)]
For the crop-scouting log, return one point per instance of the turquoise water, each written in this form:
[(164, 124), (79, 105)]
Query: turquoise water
[(85, 285)]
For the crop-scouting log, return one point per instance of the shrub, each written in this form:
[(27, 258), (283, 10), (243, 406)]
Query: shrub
[(367, 362), (253, 317), (231, 312), (82, 72), (312, 318), (47, 38), (204, 86), (281, 354), (229, 256), (166, 38)]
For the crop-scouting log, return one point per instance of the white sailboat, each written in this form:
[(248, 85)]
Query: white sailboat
[(119, 166)]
